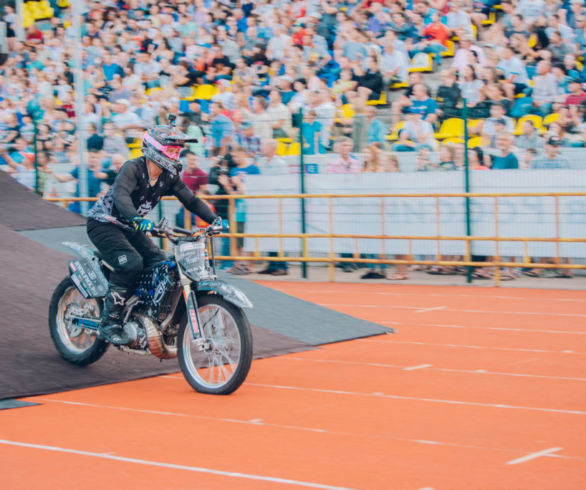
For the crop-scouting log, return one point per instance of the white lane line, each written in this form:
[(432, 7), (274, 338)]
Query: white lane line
[(415, 368), (479, 347), (178, 414), (447, 370), (497, 312), (420, 399), (441, 295), (196, 469), (538, 454), (435, 308), (292, 427), (474, 327)]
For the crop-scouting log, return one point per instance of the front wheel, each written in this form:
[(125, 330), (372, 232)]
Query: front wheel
[(220, 362), (76, 345)]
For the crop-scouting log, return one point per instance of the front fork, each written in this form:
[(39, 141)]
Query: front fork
[(192, 313)]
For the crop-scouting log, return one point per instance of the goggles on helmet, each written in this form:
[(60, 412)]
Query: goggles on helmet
[(170, 151)]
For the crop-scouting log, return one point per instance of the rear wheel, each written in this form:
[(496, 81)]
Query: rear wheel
[(75, 344), (220, 362)]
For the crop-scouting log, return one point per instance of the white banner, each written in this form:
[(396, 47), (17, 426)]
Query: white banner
[(517, 217)]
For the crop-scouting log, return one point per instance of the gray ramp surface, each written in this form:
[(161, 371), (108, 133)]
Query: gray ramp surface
[(22, 209), (302, 320), (54, 237)]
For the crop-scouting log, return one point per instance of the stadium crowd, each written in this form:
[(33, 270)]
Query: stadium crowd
[(364, 73)]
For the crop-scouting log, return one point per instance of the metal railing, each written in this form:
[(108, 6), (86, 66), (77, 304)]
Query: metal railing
[(331, 259)]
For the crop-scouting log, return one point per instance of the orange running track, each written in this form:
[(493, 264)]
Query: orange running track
[(478, 389)]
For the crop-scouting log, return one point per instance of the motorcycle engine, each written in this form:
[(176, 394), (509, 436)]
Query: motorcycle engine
[(136, 332)]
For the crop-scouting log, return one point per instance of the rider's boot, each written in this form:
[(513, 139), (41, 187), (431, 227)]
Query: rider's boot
[(110, 327)]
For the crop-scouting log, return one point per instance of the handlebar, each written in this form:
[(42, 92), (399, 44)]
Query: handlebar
[(171, 232)]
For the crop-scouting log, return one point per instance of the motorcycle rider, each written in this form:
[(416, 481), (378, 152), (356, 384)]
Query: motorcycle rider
[(138, 188)]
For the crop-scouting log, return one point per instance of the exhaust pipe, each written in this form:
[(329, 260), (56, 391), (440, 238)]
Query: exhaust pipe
[(155, 340)]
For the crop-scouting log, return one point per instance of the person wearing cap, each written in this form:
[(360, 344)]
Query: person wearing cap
[(577, 95), (417, 133), (551, 158)]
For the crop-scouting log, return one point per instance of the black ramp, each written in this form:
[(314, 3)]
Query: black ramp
[(22, 209), (29, 363), (300, 319)]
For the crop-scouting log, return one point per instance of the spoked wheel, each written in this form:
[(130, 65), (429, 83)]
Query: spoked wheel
[(77, 345), (219, 362)]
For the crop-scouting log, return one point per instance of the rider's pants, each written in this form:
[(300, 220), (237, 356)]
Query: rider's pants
[(128, 252)]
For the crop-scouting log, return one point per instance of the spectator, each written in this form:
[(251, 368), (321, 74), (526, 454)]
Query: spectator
[(545, 88), (278, 115), (247, 139), (238, 174), (505, 159), (529, 138), (225, 96), (193, 176), (311, 129), (514, 71), (448, 96), (95, 176), (417, 133), (221, 128), (127, 121), (551, 158), (376, 131), (345, 163), (394, 65), (94, 141), (113, 141), (577, 95)]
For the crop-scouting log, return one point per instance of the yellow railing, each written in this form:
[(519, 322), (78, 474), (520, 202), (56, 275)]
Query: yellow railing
[(332, 259)]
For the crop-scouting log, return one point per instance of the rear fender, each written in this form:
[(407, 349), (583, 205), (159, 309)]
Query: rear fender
[(227, 291)]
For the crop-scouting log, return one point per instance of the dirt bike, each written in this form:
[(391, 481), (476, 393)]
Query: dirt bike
[(180, 309)]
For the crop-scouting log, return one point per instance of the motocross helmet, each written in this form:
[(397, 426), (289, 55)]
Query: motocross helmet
[(163, 144)]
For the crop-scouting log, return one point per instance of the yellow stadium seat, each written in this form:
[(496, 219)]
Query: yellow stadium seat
[(63, 4), (547, 120), (294, 149), (282, 148), (579, 66), (45, 9), (135, 153), (451, 128), (474, 123), (537, 122), (395, 132), (398, 85), (382, 100), (474, 142), (450, 51), (532, 41), (205, 92), (428, 68), (474, 31)]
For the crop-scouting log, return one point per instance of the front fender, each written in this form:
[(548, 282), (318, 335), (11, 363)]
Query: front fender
[(230, 293)]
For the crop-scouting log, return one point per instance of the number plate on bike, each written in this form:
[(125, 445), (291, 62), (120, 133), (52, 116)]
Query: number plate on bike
[(193, 261)]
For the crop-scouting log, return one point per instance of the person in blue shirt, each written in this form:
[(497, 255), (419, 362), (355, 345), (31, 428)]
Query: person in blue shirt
[(311, 129), (220, 127), (376, 131), (551, 158), (506, 159), (95, 176), (238, 176)]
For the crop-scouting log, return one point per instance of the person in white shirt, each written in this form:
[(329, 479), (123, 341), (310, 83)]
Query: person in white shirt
[(394, 65), (127, 121), (514, 71), (279, 115), (270, 163), (225, 96)]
